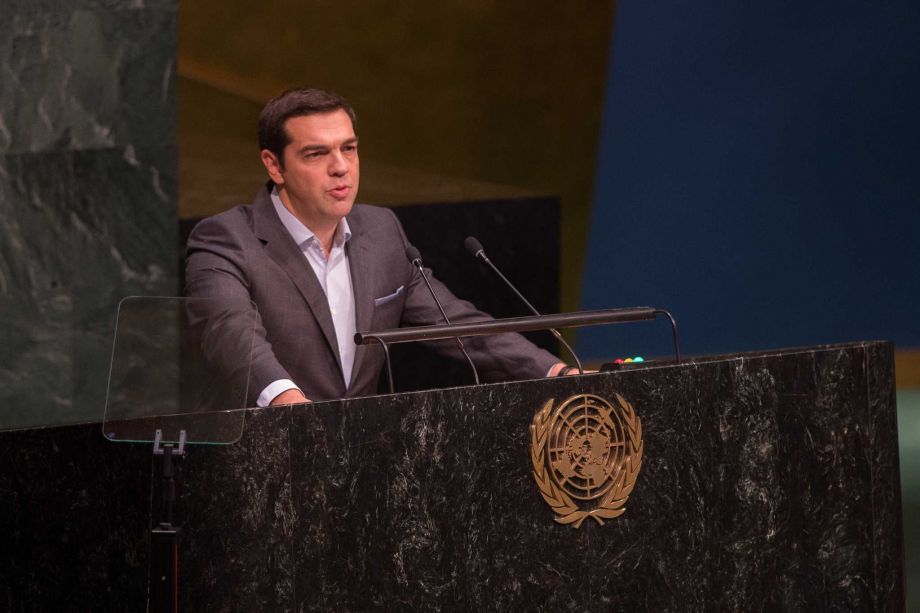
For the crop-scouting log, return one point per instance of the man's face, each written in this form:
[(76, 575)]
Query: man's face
[(319, 180)]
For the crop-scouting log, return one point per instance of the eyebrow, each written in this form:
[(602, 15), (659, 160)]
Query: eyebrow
[(311, 148)]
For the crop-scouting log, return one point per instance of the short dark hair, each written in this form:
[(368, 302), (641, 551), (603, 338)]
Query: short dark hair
[(296, 103)]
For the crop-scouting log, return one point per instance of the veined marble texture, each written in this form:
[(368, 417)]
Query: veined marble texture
[(87, 193), (769, 482)]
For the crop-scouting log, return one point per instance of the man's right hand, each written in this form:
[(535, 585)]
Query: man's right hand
[(291, 396)]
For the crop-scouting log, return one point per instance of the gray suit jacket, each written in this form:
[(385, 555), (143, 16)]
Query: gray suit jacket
[(245, 256)]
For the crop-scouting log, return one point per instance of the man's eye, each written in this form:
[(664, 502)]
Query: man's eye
[(315, 154), (350, 148)]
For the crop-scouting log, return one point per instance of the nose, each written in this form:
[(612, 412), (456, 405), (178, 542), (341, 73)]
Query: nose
[(338, 165)]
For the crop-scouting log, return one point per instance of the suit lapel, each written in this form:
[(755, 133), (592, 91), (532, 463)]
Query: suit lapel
[(360, 263), (281, 247)]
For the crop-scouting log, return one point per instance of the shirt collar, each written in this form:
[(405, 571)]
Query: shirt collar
[(301, 233)]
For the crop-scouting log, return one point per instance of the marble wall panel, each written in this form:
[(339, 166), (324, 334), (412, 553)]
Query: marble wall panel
[(87, 193), (76, 520)]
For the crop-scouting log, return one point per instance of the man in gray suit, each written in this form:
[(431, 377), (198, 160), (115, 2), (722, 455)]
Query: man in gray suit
[(318, 267)]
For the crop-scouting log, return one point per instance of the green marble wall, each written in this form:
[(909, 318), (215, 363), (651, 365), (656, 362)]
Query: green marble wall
[(87, 192)]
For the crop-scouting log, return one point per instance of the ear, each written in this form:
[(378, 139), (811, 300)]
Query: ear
[(272, 166)]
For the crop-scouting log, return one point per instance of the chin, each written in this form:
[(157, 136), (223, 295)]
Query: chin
[(343, 208)]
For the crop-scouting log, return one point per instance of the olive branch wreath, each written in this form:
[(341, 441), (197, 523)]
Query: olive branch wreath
[(623, 483)]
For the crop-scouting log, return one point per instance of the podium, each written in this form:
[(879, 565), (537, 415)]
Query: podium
[(769, 481)]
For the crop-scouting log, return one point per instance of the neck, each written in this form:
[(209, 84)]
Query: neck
[(325, 239)]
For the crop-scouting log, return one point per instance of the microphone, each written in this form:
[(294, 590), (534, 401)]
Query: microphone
[(477, 251), (416, 259)]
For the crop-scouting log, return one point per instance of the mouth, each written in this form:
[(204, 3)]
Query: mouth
[(340, 191)]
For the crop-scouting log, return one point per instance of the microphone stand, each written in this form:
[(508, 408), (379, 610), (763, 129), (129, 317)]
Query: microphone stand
[(476, 248), (416, 259)]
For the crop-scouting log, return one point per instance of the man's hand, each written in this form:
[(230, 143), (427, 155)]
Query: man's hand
[(556, 369), (291, 396), (561, 369)]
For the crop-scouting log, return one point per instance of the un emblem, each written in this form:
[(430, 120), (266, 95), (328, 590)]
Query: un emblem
[(586, 450)]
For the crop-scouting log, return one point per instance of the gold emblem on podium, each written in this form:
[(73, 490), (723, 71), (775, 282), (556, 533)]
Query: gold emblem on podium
[(586, 450)]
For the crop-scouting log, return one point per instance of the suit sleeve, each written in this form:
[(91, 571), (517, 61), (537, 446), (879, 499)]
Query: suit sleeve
[(234, 337), (498, 356)]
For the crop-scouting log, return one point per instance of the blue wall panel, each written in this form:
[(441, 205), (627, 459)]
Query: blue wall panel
[(759, 175)]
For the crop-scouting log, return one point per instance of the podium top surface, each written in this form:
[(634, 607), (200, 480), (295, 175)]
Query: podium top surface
[(224, 426)]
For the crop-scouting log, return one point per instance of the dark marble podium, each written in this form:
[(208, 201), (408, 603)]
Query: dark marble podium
[(769, 482)]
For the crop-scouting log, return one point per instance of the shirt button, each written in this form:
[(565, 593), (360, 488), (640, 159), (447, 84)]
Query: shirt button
[(334, 311)]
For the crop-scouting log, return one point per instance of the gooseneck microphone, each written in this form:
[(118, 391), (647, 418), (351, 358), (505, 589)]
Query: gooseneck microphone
[(476, 250), (416, 259)]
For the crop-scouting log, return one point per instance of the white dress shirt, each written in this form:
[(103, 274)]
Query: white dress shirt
[(334, 276)]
